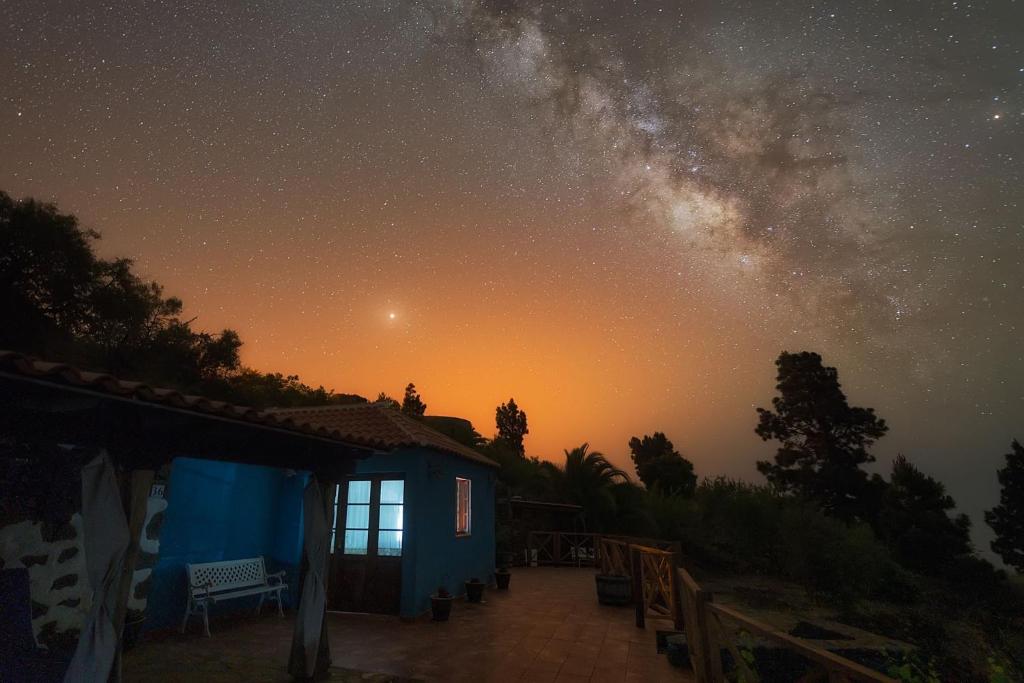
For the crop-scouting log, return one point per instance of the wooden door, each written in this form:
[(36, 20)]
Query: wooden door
[(367, 545)]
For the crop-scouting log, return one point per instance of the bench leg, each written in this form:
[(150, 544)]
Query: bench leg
[(280, 609), (188, 613), (206, 619), (260, 605)]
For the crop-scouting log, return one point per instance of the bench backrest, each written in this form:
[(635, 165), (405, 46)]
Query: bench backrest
[(229, 574)]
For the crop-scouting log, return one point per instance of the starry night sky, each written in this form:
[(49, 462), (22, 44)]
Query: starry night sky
[(617, 212)]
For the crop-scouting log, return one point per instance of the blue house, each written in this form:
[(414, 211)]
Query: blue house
[(417, 513)]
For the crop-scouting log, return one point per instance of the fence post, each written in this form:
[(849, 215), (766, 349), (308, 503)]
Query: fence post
[(677, 591), (636, 568), (711, 646)]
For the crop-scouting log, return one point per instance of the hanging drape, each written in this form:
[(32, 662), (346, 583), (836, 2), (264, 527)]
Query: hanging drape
[(105, 538), (310, 654)]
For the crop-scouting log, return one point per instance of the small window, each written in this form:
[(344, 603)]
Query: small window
[(463, 503), (392, 509), (357, 518)]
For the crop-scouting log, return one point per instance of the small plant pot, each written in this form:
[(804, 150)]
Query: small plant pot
[(440, 608), (474, 591), (502, 577), (614, 590), (678, 651)]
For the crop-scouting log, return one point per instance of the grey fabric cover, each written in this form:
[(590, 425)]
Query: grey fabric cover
[(310, 654), (105, 532)]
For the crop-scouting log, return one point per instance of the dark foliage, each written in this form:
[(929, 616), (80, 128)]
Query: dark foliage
[(412, 404), (1007, 518), (823, 439), (388, 401), (914, 521), (59, 300), (456, 428), (660, 465), (511, 424)]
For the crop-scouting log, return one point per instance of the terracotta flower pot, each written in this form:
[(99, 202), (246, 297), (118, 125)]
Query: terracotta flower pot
[(502, 577)]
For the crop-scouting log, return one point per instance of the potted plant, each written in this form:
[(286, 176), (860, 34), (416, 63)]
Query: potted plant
[(502, 576), (441, 604), (614, 590), (474, 590)]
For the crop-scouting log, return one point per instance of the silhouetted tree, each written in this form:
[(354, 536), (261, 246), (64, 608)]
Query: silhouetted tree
[(914, 520), (588, 479), (824, 440), (272, 389), (388, 401), (511, 423), (1007, 518), (412, 404), (59, 300), (457, 428), (659, 464)]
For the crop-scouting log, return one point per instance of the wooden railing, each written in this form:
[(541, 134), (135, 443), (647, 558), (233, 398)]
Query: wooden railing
[(711, 628), (663, 588), (563, 548)]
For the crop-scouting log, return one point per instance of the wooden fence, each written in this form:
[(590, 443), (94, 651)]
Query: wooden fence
[(662, 587)]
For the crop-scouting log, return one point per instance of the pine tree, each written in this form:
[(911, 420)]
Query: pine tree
[(823, 439), (511, 423), (412, 404), (1007, 518)]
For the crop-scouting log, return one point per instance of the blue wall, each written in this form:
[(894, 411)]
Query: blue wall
[(433, 555), (224, 511)]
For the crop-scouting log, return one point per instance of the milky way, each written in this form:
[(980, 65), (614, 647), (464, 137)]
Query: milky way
[(618, 212)]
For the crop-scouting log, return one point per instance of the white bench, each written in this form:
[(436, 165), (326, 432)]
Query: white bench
[(213, 582)]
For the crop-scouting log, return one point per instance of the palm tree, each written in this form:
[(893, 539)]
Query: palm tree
[(587, 479)]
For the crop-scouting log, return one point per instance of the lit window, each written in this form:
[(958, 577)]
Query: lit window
[(389, 531), (463, 512), (372, 510), (357, 518)]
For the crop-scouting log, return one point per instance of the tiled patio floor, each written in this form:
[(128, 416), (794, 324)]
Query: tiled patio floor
[(548, 627)]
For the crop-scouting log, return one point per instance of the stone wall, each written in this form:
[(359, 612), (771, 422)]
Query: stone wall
[(149, 549), (59, 585)]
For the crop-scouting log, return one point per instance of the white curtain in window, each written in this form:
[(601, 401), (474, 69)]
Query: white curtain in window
[(105, 531), (309, 642)]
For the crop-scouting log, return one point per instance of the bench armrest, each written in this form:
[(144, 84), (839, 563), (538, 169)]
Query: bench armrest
[(193, 587), (276, 575)]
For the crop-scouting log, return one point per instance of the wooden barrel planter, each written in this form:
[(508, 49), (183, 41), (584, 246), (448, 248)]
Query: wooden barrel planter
[(614, 590)]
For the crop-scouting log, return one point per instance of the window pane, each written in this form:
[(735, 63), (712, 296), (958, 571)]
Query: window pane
[(390, 516), (359, 492), (389, 543), (358, 517), (355, 541), (462, 505), (392, 491)]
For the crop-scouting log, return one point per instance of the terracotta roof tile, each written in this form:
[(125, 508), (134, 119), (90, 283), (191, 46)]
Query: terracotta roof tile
[(62, 373), (380, 426)]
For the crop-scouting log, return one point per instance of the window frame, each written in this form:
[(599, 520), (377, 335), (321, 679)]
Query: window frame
[(459, 533), (340, 517)]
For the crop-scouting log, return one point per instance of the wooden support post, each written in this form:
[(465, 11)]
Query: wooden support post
[(712, 646), (636, 568)]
